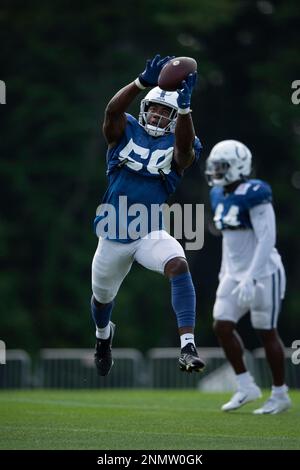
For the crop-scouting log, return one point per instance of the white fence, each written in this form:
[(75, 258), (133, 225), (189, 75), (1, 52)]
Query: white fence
[(74, 368), (16, 372)]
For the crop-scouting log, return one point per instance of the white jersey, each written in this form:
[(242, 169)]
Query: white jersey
[(247, 220), (252, 251)]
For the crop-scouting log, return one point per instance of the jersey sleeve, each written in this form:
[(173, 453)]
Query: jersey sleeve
[(258, 193), (264, 226), (213, 197), (130, 119), (197, 148), (112, 152)]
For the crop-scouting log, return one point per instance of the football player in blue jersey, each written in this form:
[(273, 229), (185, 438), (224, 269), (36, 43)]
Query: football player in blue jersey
[(252, 276), (146, 159)]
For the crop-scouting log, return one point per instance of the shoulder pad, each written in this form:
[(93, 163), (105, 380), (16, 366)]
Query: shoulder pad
[(214, 194), (197, 148), (131, 119), (258, 192)]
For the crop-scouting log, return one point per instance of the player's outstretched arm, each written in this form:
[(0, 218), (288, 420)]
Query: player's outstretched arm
[(114, 117), (184, 131)]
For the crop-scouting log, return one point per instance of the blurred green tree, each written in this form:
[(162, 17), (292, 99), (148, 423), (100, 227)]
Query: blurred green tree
[(61, 64)]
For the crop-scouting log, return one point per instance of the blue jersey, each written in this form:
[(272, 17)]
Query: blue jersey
[(231, 210), (140, 170)]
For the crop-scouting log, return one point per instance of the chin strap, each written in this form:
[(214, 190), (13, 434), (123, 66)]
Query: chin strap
[(154, 130)]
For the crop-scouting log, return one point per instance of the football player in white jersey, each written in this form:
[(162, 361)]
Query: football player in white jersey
[(252, 276), (146, 159)]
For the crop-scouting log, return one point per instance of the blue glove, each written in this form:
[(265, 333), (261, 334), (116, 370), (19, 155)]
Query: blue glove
[(153, 67), (185, 93)]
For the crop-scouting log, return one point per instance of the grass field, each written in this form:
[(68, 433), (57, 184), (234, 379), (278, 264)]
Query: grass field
[(140, 419)]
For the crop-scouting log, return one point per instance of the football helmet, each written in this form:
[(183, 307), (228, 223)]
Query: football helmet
[(164, 98), (228, 161)]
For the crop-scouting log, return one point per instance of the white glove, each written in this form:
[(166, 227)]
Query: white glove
[(245, 291)]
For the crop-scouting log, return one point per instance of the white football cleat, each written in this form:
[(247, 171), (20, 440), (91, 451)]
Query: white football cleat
[(242, 396), (274, 405)]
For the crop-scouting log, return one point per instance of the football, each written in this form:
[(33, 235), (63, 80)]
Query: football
[(175, 71)]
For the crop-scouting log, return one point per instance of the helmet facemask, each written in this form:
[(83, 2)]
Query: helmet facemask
[(162, 98), (156, 130), (217, 172), (229, 161)]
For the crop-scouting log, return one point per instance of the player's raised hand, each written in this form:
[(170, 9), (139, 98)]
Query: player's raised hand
[(149, 76), (186, 90)]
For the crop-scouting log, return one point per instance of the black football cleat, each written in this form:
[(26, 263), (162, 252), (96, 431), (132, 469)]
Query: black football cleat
[(103, 355), (189, 360)]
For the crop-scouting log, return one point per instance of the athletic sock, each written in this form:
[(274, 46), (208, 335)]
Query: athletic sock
[(103, 333), (279, 391), (187, 338), (244, 380)]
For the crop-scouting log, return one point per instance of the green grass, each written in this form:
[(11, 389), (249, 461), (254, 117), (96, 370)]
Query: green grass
[(140, 419)]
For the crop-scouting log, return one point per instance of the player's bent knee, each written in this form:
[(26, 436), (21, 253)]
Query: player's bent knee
[(217, 327), (103, 296), (223, 328), (98, 303), (267, 335), (176, 266)]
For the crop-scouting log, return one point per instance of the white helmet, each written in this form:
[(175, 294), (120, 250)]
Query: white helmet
[(228, 161), (165, 98)]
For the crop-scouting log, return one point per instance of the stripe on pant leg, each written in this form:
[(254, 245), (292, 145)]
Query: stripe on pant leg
[(279, 297), (273, 301)]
